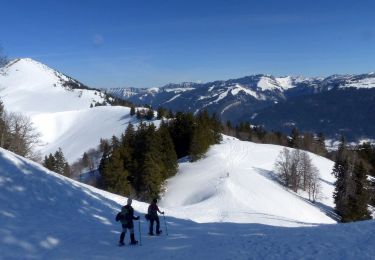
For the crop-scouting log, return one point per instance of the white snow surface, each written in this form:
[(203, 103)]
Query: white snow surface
[(63, 116), (285, 82), (267, 83), (78, 131), (280, 83), (178, 90), (362, 83), (237, 88), (44, 215), (27, 85), (173, 98), (236, 183)]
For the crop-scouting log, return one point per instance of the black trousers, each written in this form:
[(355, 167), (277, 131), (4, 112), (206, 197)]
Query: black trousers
[(152, 220)]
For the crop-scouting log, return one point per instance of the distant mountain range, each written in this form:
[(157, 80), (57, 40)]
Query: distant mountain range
[(338, 104)]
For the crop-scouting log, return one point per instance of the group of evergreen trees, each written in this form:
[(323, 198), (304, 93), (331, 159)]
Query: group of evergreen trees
[(352, 190), (56, 162), (138, 163), (305, 141)]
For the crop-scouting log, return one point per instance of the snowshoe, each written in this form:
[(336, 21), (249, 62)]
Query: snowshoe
[(121, 244)]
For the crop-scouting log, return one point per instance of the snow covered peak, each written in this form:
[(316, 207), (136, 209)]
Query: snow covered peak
[(285, 82), (33, 68), (360, 81), (270, 83), (29, 86), (59, 107)]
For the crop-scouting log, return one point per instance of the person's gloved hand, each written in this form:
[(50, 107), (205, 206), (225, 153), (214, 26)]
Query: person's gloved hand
[(136, 218), (162, 213)]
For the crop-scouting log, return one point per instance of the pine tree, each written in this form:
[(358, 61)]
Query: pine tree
[(152, 177), (128, 146), (351, 195), (138, 114), (150, 114), (295, 138), (61, 166), (161, 112), (168, 153), (49, 162), (342, 174), (104, 146), (181, 130), (321, 145), (85, 160), (359, 200), (199, 143), (115, 177), (132, 110), (2, 125)]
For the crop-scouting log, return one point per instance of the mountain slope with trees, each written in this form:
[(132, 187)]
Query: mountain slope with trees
[(84, 226), (337, 104), (349, 112)]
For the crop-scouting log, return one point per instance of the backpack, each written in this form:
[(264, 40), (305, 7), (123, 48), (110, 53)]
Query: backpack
[(127, 216), (119, 216)]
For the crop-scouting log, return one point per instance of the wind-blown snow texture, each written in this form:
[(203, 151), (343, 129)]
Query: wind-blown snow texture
[(46, 216)]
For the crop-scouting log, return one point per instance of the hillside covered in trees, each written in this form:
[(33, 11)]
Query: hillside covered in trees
[(138, 163)]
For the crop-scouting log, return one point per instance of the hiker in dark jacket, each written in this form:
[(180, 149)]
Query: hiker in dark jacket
[(126, 218), (153, 210)]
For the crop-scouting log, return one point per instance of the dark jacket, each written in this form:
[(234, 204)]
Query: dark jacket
[(127, 213), (153, 210)]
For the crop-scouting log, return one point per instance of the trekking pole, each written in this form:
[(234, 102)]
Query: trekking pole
[(140, 234), (165, 223)]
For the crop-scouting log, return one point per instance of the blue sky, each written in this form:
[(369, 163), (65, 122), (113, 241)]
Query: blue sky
[(151, 43)]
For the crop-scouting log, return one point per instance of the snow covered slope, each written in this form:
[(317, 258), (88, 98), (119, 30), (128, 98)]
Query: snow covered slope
[(27, 85), (236, 183), (47, 216), (78, 131), (59, 107)]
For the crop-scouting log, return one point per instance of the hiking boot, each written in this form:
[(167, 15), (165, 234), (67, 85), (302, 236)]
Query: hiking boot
[(132, 240), (121, 242), (150, 234), (158, 232)]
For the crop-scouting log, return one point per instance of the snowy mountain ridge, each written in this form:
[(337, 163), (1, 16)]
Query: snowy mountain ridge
[(28, 85), (273, 101), (59, 108)]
